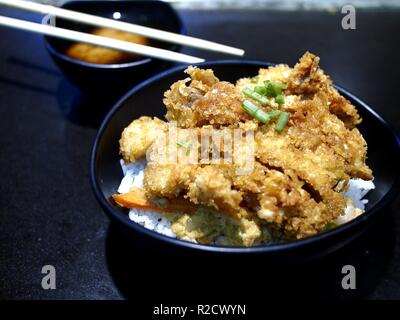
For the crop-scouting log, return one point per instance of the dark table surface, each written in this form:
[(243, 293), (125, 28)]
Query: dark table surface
[(49, 215)]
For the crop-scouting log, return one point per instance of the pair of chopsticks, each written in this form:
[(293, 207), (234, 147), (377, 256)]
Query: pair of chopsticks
[(115, 24)]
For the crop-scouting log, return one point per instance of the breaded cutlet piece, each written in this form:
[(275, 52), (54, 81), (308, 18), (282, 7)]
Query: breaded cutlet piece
[(204, 101), (139, 136)]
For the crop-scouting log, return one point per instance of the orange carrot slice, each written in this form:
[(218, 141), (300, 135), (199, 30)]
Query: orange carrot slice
[(136, 198)]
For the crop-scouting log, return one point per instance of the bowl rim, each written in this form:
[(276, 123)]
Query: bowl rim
[(110, 210), (45, 20)]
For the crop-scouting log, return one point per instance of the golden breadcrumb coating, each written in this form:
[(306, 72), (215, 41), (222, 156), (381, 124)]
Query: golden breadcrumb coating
[(298, 175), (167, 180), (308, 79), (139, 136), (206, 101), (212, 186)]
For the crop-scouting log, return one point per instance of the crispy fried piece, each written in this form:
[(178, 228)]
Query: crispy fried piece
[(303, 82), (316, 167), (281, 199), (356, 157), (205, 101), (304, 210), (307, 79), (167, 180), (180, 98), (315, 128), (319, 149), (220, 106), (284, 186), (342, 108), (138, 137), (202, 79), (212, 186), (310, 217)]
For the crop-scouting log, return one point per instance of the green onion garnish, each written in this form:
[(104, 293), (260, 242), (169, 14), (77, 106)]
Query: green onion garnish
[(255, 79), (255, 111), (255, 96), (274, 113), (280, 99), (184, 144), (273, 88), (282, 121), (261, 90)]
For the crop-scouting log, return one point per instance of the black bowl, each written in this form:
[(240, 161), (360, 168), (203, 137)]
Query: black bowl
[(146, 99), (109, 78)]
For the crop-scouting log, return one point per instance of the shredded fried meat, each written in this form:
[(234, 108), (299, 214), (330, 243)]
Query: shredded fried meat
[(298, 174)]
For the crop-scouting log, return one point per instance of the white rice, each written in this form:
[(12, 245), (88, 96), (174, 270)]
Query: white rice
[(134, 176), (358, 188)]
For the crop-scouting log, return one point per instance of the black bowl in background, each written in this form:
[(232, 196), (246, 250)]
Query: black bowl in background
[(113, 78), (146, 99)]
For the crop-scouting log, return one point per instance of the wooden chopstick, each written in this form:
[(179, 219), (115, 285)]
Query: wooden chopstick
[(98, 40), (124, 26)]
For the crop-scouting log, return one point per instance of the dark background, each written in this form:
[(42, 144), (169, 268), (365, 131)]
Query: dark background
[(48, 213)]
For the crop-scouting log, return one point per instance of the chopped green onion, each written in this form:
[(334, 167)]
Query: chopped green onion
[(280, 99), (282, 121), (255, 96), (270, 89), (273, 88), (255, 79), (280, 85), (274, 113), (261, 90), (184, 144), (255, 111)]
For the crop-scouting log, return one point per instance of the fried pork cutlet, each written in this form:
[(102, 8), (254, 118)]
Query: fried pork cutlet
[(205, 101), (307, 78), (139, 136), (299, 172)]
